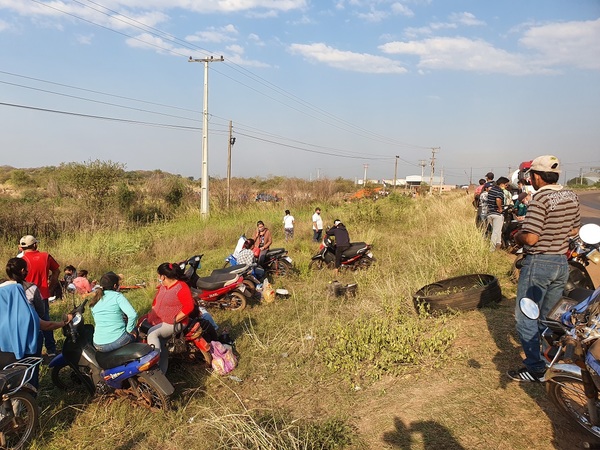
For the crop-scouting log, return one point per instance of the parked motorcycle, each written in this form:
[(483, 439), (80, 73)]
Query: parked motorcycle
[(19, 413), (226, 290), (190, 340), (357, 256), (583, 249), (571, 345), (130, 371), (276, 263)]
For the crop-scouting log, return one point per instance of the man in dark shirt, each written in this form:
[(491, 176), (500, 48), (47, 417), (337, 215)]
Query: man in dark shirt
[(495, 202), (552, 217), (342, 242)]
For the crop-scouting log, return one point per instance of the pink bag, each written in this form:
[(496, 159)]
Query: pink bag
[(223, 359)]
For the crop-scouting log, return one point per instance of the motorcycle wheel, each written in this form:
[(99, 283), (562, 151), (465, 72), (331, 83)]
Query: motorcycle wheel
[(318, 264), (364, 262), (250, 287), (17, 434), (151, 395), (236, 301), (279, 268), (66, 379), (568, 394)]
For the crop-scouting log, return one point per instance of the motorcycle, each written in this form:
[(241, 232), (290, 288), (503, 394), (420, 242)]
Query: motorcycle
[(226, 290), (583, 249), (19, 413), (131, 371), (357, 256), (190, 340), (571, 345), (276, 263)]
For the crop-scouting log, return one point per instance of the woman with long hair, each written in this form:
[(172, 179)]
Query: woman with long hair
[(172, 304), (108, 307)]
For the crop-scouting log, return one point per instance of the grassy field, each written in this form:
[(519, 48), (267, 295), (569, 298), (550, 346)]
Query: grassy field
[(317, 371)]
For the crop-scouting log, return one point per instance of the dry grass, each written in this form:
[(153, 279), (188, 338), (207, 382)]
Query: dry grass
[(288, 398)]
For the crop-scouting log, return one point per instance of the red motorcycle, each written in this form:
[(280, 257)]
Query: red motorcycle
[(224, 290)]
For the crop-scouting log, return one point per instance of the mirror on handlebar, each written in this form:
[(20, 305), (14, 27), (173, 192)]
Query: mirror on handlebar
[(590, 233), (529, 308)]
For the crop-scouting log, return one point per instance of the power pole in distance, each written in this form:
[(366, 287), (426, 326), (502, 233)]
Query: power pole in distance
[(432, 172), (395, 171), (230, 144), (366, 166), (204, 187)]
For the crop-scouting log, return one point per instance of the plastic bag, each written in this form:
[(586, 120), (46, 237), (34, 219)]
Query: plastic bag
[(268, 293), (223, 359)]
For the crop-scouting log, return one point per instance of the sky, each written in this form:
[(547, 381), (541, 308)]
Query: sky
[(312, 89)]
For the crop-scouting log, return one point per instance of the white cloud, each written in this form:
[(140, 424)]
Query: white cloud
[(255, 39), (548, 48), (399, 8), (373, 15), (85, 39), (227, 33), (4, 26), (568, 43), (461, 54), (345, 60), (466, 18)]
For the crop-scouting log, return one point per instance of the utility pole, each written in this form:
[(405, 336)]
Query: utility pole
[(366, 166), (422, 163), (230, 144), (432, 171), (204, 186), (395, 171), (441, 178)]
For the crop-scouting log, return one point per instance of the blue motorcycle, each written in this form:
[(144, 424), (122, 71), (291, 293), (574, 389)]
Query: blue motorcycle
[(131, 371)]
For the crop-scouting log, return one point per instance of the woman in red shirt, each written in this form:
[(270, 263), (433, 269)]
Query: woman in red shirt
[(172, 304)]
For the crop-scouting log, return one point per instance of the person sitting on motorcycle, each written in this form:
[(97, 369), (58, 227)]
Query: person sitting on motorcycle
[(518, 212), (342, 242), (172, 304), (247, 256), (108, 307), (262, 241)]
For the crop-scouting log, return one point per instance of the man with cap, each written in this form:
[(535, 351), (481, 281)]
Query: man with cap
[(342, 242), (43, 271), (552, 217)]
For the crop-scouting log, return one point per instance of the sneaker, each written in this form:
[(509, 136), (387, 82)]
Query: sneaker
[(524, 375)]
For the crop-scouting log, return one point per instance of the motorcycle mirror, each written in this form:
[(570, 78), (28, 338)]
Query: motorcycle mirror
[(71, 288), (590, 233), (529, 308)]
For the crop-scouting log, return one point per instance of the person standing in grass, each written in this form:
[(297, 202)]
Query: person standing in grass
[(342, 242), (496, 202), (552, 217), (317, 222), (288, 226)]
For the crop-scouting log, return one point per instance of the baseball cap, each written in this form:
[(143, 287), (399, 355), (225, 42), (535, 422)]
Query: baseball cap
[(522, 196), (27, 241), (546, 163), (487, 185)]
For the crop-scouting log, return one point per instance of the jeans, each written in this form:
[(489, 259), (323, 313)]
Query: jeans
[(48, 335), (496, 221), (124, 339), (157, 336), (317, 235), (542, 279)]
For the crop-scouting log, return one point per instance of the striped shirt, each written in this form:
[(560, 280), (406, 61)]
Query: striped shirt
[(552, 214), (494, 193)]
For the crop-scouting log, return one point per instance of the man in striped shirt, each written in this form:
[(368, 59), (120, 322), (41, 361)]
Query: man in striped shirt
[(552, 217), (495, 204)]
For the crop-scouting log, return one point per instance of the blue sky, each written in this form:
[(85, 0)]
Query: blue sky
[(313, 88)]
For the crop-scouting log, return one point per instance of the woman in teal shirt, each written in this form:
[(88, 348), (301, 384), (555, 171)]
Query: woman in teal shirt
[(108, 307)]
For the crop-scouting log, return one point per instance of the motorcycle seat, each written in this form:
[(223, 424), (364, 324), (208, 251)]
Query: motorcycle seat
[(579, 294), (354, 249), (216, 281), (238, 269), (275, 251), (122, 355)]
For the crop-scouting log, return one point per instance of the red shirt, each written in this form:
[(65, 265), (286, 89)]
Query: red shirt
[(169, 302), (39, 265)]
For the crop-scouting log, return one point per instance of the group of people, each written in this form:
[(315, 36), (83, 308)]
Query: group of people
[(24, 307), (493, 200), (255, 249)]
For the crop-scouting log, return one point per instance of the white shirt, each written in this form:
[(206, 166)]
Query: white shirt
[(317, 218), (288, 221)]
